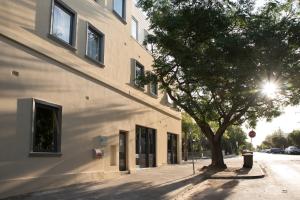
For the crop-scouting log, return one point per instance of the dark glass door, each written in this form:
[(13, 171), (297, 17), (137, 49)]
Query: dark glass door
[(151, 148), (122, 151), (172, 148), (145, 147)]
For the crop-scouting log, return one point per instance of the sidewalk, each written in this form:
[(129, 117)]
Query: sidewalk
[(166, 182)]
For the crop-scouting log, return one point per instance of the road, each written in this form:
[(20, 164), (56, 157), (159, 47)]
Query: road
[(282, 182)]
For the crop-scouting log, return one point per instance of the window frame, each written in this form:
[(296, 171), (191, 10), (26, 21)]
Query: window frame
[(123, 17), (142, 87), (137, 28), (72, 43), (101, 45), (58, 135), (150, 89)]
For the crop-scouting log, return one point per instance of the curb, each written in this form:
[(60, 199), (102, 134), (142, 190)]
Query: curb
[(261, 175), (236, 177)]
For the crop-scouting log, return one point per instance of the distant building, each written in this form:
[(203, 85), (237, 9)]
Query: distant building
[(71, 109)]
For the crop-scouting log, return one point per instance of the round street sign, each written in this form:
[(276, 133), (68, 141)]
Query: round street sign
[(252, 134)]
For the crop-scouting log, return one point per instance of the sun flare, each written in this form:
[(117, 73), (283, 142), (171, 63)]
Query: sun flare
[(270, 89)]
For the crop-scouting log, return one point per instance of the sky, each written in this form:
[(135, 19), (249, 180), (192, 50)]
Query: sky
[(287, 122)]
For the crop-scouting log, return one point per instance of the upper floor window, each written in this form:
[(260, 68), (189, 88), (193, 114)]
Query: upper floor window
[(46, 127), (147, 45), (139, 72), (134, 28), (119, 7), (63, 22), (95, 44), (154, 88)]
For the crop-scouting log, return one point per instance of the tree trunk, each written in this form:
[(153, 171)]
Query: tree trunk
[(217, 160)]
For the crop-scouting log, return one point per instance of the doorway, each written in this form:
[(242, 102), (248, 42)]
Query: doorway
[(172, 148), (122, 151), (145, 147)]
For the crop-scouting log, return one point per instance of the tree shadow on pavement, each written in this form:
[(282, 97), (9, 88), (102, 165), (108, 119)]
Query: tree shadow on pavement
[(122, 190), (215, 190), (190, 187), (242, 171)]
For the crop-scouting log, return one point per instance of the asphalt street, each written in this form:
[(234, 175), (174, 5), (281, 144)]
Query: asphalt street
[(176, 182), (282, 182)]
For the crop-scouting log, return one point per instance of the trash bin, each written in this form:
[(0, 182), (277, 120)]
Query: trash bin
[(248, 160)]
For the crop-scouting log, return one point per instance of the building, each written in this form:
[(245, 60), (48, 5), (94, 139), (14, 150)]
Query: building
[(71, 109)]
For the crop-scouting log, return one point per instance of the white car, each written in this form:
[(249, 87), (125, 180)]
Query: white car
[(292, 150)]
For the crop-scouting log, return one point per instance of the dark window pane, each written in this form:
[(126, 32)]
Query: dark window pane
[(152, 141), (153, 88), (139, 72), (62, 24), (93, 50), (119, 7), (46, 129), (143, 141)]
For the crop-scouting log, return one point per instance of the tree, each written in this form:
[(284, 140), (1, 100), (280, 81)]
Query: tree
[(276, 139), (212, 57), (233, 139), (294, 138), (190, 131)]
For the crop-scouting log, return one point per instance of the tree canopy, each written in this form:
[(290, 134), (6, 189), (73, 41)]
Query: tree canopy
[(280, 140), (213, 58), (294, 138)]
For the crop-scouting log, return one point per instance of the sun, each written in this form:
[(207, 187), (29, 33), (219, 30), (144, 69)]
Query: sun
[(270, 89)]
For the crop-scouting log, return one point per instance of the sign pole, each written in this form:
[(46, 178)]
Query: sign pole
[(193, 156)]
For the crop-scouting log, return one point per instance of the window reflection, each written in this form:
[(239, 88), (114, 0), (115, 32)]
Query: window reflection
[(62, 24), (93, 45), (119, 7)]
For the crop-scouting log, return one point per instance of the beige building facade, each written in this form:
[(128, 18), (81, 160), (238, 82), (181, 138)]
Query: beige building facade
[(71, 108)]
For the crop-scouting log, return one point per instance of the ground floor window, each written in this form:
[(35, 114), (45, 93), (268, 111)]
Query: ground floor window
[(46, 128), (172, 148), (145, 147)]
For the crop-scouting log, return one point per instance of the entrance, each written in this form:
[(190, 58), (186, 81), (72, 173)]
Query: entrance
[(172, 148), (145, 147), (122, 151)]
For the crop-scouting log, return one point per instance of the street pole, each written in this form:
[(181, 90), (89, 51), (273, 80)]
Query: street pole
[(193, 152)]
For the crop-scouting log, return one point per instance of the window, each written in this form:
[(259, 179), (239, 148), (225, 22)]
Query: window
[(95, 44), (119, 8), (153, 88), (46, 127), (145, 147), (134, 28), (169, 100), (63, 20), (147, 45), (139, 72)]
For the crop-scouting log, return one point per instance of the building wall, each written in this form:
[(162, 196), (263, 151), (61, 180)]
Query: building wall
[(96, 101)]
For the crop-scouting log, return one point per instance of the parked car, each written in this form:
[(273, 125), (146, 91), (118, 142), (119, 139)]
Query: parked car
[(292, 150), (276, 150), (267, 150)]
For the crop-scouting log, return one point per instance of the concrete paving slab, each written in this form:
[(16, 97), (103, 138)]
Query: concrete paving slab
[(239, 173), (166, 182)]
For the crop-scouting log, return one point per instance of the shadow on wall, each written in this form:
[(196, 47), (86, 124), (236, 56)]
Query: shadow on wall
[(79, 137), (192, 188), (16, 129), (19, 13), (34, 16)]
